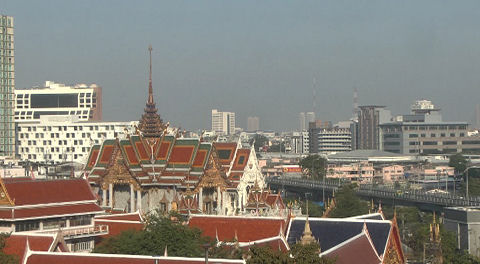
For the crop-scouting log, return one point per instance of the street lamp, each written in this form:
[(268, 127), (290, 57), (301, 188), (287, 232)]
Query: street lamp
[(466, 170), (206, 246)]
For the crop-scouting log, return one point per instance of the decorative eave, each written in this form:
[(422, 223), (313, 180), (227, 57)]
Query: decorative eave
[(4, 196), (214, 175)]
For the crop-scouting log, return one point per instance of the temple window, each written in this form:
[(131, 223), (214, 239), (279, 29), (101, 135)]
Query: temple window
[(81, 220), (27, 226)]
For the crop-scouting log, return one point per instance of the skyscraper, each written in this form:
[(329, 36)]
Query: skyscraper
[(369, 119), (7, 86), (223, 123), (305, 119), (253, 123)]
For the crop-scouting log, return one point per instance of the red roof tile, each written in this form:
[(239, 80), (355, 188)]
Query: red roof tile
[(106, 154), (141, 150), (115, 228), (163, 151), (93, 158), (132, 157), (241, 159), (247, 229), (181, 154), (44, 192), (16, 244), (200, 158), (50, 211), (358, 250)]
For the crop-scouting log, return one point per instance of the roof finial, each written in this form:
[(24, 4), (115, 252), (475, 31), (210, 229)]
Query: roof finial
[(150, 88)]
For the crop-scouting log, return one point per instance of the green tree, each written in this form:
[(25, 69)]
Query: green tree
[(348, 203), (299, 254), (277, 147), (308, 254), (459, 162), (4, 258), (260, 141), (266, 255), (317, 163), (160, 232), (450, 252)]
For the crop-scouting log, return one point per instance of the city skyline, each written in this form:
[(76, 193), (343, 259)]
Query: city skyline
[(391, 57)]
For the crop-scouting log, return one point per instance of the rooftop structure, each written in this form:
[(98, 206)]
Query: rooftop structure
[(84, 101)]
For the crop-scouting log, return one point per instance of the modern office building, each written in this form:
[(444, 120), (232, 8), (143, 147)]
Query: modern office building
[(325, 138), (57, 139), (7, 86), (223, 123), (369, 119), (424, 132), (299, 142), (253, 123), (84, 101)]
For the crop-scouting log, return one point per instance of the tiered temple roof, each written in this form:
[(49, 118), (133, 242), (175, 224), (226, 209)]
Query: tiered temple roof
[(169, 161)]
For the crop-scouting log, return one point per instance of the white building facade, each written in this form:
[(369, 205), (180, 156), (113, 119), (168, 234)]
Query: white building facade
[(223, 123), (56, 99), (65, 139)]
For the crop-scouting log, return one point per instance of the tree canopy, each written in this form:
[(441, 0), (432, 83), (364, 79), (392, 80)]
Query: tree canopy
[(4, 258), (160, 232), (315, 162), (301, 254), (348, 203), (260, 141), (459, 162)]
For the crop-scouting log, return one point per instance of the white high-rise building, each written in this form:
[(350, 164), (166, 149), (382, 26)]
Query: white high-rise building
[(223, 123), (301, 119), (253, 123)]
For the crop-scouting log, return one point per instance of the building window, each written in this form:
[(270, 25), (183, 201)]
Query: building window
[(27, 226)]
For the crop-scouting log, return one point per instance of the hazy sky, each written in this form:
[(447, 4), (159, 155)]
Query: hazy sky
[(255, 58)]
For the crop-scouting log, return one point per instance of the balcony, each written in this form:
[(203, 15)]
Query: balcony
[(79, 232)]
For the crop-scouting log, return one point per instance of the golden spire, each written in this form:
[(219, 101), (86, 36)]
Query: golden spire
[(307, 237)]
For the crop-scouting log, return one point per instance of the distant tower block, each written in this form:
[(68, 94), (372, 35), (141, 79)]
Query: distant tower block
[(253, 123)]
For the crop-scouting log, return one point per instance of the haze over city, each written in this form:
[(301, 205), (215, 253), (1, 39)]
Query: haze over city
[(254, 58)]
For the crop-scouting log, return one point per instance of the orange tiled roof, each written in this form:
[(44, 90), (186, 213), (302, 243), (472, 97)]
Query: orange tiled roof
[(247, 228), (50, 191)]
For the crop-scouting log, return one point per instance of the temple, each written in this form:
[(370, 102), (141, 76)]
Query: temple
[(158, 168)]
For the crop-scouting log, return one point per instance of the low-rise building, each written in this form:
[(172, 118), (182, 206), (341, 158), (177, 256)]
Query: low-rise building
[(390, 173), (362, 172), (34, 206)]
